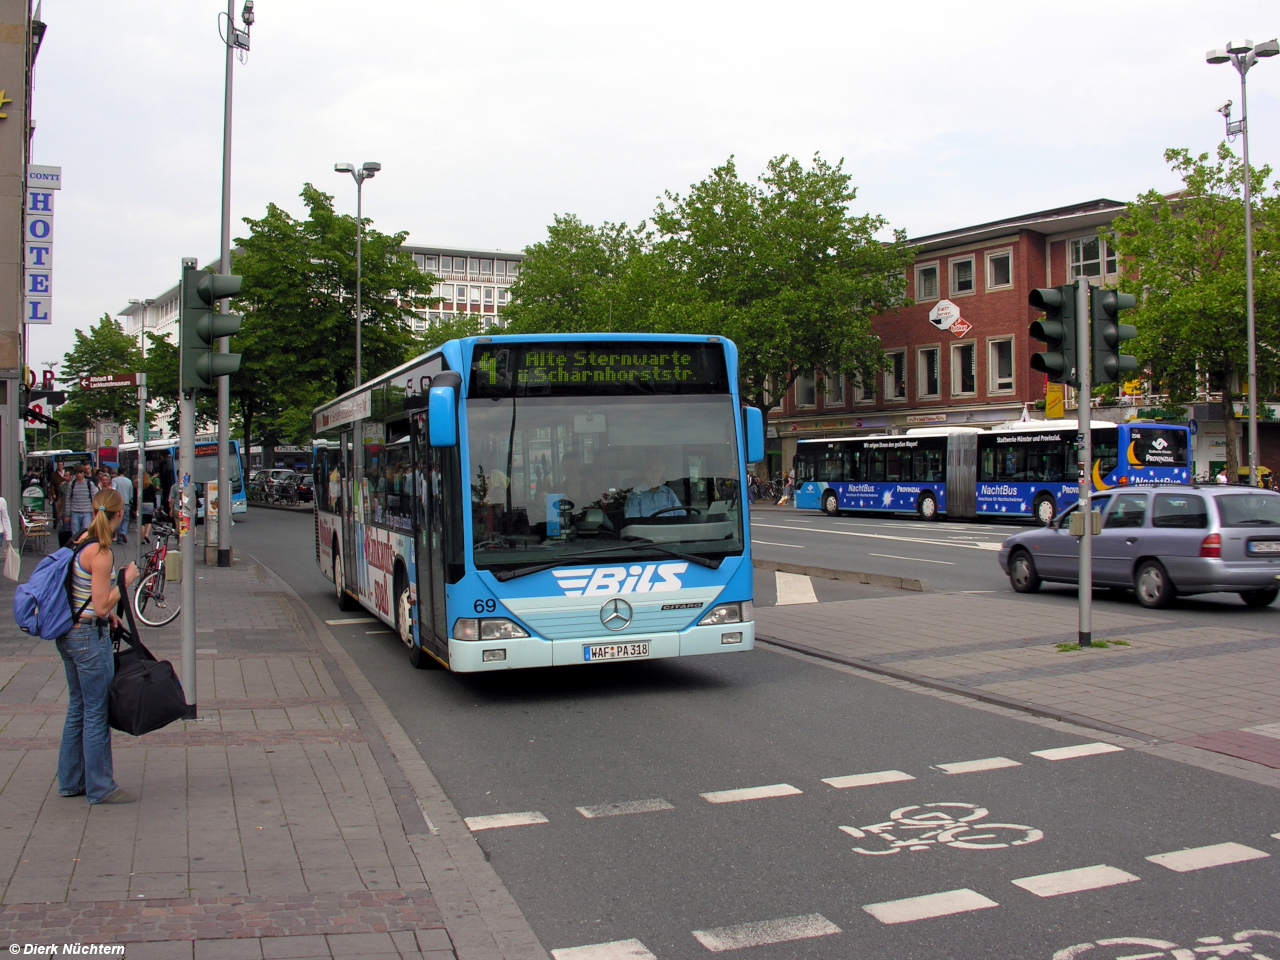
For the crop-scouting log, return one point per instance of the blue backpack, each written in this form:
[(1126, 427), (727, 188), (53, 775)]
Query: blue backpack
[(42, 605)]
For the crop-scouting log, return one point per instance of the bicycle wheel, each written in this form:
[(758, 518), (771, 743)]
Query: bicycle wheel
[(150, 605), (990, 836)]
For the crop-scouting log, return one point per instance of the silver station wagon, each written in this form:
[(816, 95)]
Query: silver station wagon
[(1162, 541)]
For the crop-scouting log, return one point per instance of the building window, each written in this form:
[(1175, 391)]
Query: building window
[(473, 265), (927, 380), (999, 270), (432, 263), (1000, 366), (805, 393), (834, 396), (420, 261), (502, 296), (962, 276), (500, 267), (895, 378), (488, 295), (475, 294), (927, 282), (513, 268), (1090, 256), (446, 291), (964, 372), (486, 268), (862, 393)]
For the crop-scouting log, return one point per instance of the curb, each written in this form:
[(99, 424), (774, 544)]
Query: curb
[(295, 508), (827, 573)]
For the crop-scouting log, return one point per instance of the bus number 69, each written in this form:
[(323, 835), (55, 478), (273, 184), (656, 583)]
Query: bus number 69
[(486, 606)]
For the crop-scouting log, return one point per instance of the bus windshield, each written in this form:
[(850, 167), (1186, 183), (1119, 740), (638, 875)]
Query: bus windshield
[(557, 478), (206, 466)]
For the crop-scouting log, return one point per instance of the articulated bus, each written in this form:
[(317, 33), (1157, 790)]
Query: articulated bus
[(1026, 469), (508, 502), (162, 462)]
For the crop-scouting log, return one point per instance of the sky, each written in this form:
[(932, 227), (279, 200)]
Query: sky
[(491, 118)]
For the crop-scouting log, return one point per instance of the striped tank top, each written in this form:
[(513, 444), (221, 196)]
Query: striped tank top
[(82, 585)]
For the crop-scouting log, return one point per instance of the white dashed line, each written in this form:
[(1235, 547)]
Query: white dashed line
[(1074, 881), (751, 793), (621, 809), (976, 766), (1201, 858), (341, 623), (370, 633), (890, 556), (770, 543), (616, 950), (766, 932), (868, 779), (885, 536), (931, 905), (1079, 750), (495, 820), (794, 588)]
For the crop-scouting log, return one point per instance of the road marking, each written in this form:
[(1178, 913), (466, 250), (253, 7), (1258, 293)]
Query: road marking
[(885, 536), (496, 820), (1074, 881), (930, 905), (615, 950), (1201, 858), (766, 932), (770, 543), (890, 556), (620, 809), (794, 588), (975, 766), (342, 623), (977, 591), (1079, 750), (751, 793), (370, 633), (868, 779)]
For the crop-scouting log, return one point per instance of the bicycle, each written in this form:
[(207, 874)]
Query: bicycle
[(935, 823), (150, 605)]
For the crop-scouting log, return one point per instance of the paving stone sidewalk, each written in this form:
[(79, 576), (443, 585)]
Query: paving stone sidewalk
[(1200, 688), (293, 819)]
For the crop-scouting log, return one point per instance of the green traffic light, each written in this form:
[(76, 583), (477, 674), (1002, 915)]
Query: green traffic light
[(1057, 330), (200, 328), (1109, 335)]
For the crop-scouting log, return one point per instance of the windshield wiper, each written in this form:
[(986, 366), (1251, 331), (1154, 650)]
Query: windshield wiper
[(630, 543)]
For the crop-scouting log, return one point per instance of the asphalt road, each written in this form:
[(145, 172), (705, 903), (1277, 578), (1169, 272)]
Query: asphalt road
[(683, 874)]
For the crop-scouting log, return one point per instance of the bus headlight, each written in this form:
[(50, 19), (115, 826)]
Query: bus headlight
[(727, 613), (487, 628)]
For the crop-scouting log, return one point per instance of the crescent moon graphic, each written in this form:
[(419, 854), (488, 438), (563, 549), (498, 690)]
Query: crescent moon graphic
[(1098, 483), (1133, 461)]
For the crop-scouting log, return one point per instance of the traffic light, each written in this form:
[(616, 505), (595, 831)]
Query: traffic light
[(1109, 364), (200, 326), (1058, 331)]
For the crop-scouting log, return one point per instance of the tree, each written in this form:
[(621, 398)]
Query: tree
[(1184, 261), (105, 349)]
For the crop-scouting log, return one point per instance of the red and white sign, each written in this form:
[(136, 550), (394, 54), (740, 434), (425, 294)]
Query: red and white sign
[(961, 326), (944, 314)]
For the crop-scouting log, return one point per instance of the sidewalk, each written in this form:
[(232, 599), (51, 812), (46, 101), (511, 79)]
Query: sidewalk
[(1186, 688), (294, 818)]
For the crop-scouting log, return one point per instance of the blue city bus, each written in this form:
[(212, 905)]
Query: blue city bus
[(506, 502), (1020, 470), (162, 462)]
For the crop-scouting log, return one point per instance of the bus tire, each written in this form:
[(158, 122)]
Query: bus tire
[(1023, 576), (927, 506), (1044, 509), (830, 504), (340, 579)]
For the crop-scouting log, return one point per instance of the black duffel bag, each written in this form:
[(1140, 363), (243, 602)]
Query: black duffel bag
[(146, 693)]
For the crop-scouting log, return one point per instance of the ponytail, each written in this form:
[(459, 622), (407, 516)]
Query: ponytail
[(106, 505)]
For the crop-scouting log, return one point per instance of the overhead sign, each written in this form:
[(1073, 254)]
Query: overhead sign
[(109, 380), (961, 326), (944, 314), (37, 243)]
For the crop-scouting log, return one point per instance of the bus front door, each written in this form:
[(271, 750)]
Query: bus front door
[(349, 551), (430, 519)]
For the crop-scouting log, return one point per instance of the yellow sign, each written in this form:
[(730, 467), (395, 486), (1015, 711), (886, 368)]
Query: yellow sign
[(3, 101), (1054, 401)]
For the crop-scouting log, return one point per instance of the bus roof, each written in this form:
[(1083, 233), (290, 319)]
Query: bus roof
[(1016, 425)]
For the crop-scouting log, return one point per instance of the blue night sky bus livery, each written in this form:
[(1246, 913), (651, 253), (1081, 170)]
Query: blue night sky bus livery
[(508, 502)]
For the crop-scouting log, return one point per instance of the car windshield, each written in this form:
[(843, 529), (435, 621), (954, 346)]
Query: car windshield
[(1249, 510), (554, 479)]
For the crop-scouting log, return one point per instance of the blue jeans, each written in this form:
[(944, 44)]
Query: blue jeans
[(79, 522), (84, 760), (124, 523)]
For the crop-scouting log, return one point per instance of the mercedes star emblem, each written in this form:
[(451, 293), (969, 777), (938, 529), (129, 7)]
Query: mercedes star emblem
[(616, 614)]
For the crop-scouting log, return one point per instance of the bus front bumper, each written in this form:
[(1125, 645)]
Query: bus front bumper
[(468, 656)]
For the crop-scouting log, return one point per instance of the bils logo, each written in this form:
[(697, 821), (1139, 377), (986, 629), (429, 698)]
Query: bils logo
[(636, 578), (1159, 443)]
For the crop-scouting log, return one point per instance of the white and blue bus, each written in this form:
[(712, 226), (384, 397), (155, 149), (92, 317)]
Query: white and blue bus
[(162, 462), (508, 502), (1020, 470)]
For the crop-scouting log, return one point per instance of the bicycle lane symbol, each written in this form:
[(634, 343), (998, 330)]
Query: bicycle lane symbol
[(951, 824), (1241, 945)]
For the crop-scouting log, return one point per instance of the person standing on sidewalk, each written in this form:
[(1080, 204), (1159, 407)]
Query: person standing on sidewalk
[(79, 506), (84, 758), (124, 486)]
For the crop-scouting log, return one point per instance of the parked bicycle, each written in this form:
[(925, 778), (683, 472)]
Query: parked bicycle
[(150, 604)]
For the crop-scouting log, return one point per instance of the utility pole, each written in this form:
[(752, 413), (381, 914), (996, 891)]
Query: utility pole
[(1084, 417), (186, 518)]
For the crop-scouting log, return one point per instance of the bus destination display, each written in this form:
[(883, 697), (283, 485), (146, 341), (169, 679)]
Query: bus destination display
[(617, 367)]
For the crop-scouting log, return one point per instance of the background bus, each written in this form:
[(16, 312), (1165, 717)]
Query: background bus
[(513, 502), (162, 462), (1016, 470), (44, 461)]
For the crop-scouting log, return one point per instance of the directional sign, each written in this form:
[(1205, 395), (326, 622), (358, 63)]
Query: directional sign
[(109, 380)]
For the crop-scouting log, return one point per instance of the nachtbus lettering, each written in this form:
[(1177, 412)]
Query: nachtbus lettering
[(998, 490), (379, 555), (852, 488), (634, 578)]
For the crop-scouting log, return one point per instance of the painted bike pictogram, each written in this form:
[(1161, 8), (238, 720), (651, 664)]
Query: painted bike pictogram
[(955, 825), (1243, 945)]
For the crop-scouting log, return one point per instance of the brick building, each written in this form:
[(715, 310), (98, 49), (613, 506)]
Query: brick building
[(960, 354)]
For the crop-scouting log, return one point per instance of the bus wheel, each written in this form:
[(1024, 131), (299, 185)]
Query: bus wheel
[(404, 609), (830, 505), (1044, 510), (340, 579), (927, 507)]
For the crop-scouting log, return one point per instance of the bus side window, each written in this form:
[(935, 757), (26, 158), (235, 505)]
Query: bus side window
[(987, 463)]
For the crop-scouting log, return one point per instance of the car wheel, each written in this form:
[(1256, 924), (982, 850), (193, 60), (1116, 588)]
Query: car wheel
[(1259, 598), (830, 505), (1023, 576), (1151, 585), (1044, 509), (927, 507)]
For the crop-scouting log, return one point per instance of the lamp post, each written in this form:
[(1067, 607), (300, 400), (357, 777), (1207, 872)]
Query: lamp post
[(1243, 54), (366, 172)]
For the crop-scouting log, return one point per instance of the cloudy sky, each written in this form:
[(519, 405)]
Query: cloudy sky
[(490, 118)]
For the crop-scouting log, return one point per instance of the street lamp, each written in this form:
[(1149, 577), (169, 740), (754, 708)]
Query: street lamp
[(366, 172), (1243, 54)]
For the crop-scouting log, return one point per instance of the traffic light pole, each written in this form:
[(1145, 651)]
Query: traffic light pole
[(224, 343), (142, 464), (1084, 418)]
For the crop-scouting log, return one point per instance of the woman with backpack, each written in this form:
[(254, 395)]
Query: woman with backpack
[(84, 760)]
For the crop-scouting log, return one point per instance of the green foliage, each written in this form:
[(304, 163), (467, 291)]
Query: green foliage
[(105, 349)]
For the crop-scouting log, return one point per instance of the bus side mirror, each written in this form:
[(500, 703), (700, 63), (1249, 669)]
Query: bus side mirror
[(442, 417), (754, 424)]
